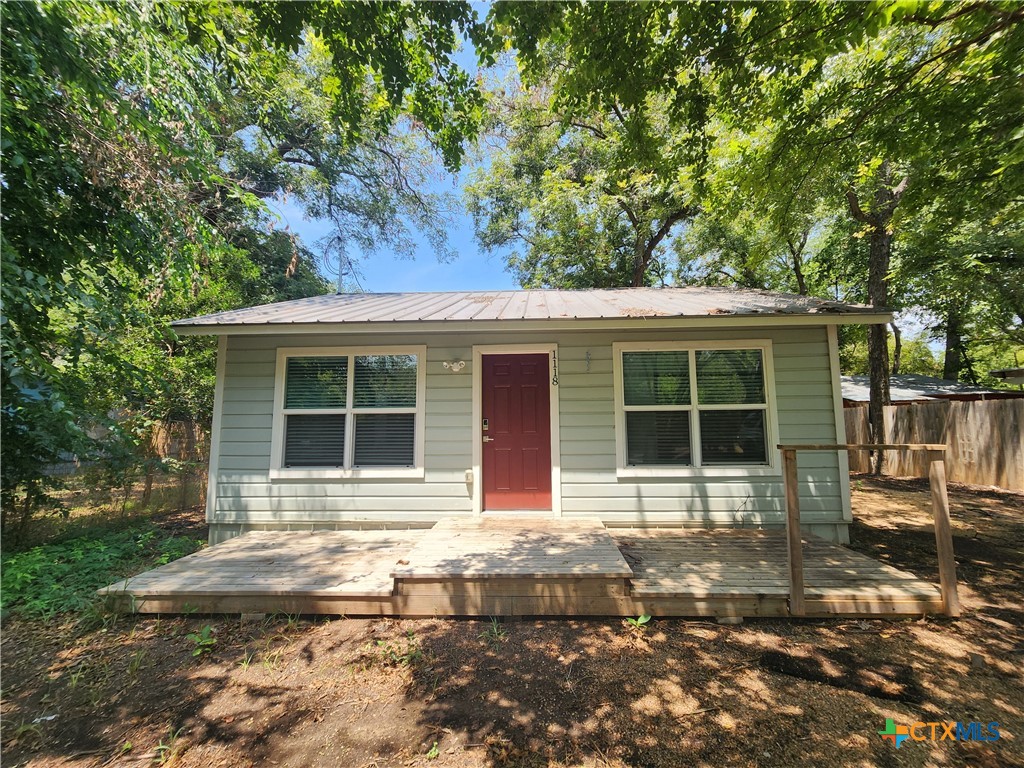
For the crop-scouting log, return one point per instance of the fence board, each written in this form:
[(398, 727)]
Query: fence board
[(984, 439)]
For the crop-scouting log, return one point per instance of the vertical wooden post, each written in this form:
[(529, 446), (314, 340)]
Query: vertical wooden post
[(793, 539), (943, 534)]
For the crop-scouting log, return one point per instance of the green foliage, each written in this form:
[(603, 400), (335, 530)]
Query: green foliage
[(398, 653), (495, 634), (587, 200), (861, 151), (639, 624), (205, 640), (141, 143), (63, 577), (388, 59)]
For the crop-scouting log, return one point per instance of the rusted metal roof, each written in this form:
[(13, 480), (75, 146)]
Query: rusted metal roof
[(480, 306)]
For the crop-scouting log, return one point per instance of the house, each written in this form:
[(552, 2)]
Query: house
[(914, 388), (638, 407), (1010, 375)]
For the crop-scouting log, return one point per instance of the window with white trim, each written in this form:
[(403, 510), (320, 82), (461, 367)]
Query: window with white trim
[(692, 407), (350, 411)]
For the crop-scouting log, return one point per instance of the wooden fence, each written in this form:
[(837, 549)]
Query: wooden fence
[(984, 439)]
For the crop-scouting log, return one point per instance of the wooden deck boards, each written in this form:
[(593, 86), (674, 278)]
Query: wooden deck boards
[(339, 563), (507, 566), (499, 547)]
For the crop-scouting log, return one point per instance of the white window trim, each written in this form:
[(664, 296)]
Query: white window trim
[(772, 468), (277, 469)]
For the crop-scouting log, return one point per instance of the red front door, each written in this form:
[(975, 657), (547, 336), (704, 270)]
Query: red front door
[(516, 432)]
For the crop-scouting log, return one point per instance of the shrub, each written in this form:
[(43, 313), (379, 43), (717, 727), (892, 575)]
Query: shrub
[(64, 576)]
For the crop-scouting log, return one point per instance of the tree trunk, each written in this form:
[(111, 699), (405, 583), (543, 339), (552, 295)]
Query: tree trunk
[(641, 260), (796, 252), (147, 492), (897, 348), (952, 362), (878, 218)]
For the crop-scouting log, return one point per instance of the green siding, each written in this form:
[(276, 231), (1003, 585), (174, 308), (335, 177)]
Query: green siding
[(245, 496)]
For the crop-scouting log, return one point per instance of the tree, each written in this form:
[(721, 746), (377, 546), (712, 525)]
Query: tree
[(874, 96), (592, 200), (135, 170)]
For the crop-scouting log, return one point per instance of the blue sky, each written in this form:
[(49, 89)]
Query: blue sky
[(470, 270)]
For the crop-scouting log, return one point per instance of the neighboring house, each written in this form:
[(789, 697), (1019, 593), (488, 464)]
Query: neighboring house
[(1010, 375), (642, 407), (913, 388)]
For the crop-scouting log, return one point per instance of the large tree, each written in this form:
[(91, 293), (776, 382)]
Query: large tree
[(140, 142), (587, 199), (895, 105)]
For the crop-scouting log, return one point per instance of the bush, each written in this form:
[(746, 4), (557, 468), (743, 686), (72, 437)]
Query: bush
[(63, 577)]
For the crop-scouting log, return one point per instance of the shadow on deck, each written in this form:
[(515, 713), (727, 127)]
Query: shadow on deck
[(515, 567)]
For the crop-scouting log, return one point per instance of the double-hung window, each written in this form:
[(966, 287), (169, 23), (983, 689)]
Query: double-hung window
[(684, 409), (349, 412)]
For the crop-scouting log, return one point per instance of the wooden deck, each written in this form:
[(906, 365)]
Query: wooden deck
[(508, 567)]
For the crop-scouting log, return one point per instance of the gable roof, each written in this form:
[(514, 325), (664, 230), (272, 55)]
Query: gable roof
[(615, 306)]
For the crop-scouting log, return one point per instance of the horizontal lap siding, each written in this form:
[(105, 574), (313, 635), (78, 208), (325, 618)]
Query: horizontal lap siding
[(245, 493), (587, 433), (803, 392)]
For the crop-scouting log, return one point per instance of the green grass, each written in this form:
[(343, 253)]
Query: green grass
[(63, 577)]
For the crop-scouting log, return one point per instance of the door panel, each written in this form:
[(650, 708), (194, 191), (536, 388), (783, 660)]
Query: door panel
[(517, 442)]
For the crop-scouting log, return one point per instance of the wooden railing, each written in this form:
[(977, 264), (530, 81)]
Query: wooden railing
[(940, 510)]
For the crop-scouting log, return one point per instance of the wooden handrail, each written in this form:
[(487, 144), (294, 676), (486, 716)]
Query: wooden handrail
[(940, 511), (794, 541)]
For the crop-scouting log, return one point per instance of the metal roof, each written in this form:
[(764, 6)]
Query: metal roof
[(908, 387), (538, 305)]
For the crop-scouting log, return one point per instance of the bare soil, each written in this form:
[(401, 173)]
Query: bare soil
[(378, 692)]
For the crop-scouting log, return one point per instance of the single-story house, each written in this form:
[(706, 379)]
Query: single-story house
[(1010, 375), (915, 388), (640, 407)]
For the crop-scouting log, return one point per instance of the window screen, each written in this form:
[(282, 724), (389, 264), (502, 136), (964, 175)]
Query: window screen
[(376, 429), (314, 441), (385, 439), (718, 419), (316, 382)]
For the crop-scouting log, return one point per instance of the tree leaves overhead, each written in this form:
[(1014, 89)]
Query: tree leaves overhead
[(388, 59), (141, 142)]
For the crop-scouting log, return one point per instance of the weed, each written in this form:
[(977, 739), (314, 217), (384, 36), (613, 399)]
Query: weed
[(74, 677), (434, 752), (495, 633), (136, 662), (639, 624), (27, 733), (167, 751), (397, 654), (247, 658), (204, 640), (63, 576), (100, 613), (271, 659)]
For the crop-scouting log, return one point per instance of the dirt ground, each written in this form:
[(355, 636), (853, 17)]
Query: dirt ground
[(355, 692)]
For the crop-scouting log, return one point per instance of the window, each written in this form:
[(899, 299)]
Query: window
[(681, 409), (349, 413)]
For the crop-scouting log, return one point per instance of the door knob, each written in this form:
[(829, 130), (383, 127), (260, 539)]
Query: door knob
[(488, 439)]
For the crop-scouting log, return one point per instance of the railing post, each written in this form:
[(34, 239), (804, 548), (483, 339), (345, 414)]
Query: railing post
[(793, 538), (943, 534)]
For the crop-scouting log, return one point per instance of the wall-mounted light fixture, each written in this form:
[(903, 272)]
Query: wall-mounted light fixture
[(454, 365)]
